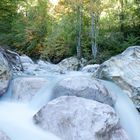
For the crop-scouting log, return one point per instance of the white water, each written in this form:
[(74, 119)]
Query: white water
[(41, 98), (16, 118), (16, 121), (129, 117)]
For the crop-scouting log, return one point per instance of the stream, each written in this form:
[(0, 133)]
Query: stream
[(16, 117)]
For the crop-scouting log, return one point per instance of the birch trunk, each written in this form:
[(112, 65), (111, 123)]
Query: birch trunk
[(93, 36), (79, 20)]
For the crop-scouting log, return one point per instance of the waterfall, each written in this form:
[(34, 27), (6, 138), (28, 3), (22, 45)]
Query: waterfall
[(44, 94), (129, 117)]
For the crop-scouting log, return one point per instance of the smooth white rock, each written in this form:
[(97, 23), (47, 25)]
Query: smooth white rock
[(124, 70), (25, 88), (90, 68), (3, 136), (85, 87), (76, 118), (51, 68), (72, 63), (41, 68)]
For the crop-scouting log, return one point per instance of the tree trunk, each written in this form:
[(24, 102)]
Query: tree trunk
[(79, 21), (121, 16), (93, 36)]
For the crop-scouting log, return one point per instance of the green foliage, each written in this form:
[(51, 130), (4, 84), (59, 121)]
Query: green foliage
[(29, 31), (113, 44), (56, 51), (41, 29), (7, 14)]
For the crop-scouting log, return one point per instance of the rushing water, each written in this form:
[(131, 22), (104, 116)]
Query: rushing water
[(16, 118), (16, 121), (129, 117)]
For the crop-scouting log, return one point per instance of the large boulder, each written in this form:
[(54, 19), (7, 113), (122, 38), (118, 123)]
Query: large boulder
[(5, 73), (3, 136), (83, 87), (13, 59), (44, 65), (90, 68), (41, 68), (76, 118), (72, 63), (25, 88), (124, 70)]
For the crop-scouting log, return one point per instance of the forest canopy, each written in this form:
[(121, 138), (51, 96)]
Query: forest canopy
[(56, 29)]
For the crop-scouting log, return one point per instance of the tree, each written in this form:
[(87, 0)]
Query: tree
[(30, 28), (79, 29), (77, 7), (72, 27), (8, 12), (93, 31)]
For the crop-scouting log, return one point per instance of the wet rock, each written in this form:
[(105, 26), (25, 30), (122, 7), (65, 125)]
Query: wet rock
[(41, 68), (49, 67), (25, 88), (76, 118), (124, 70), (3, 136), (83, 87), (5, 73), (72, 63), (90, 68)]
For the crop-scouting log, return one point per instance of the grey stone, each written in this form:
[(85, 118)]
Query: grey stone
[(90, 68), (76, 118), (5, 74), (72, 63), (83, 87), (124, 70), (3, 136), (25, 88)]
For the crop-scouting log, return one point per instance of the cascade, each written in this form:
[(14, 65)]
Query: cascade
[(16, 118), (129, 117)]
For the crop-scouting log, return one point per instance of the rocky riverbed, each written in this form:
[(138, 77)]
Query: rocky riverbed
[(71, 104)]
